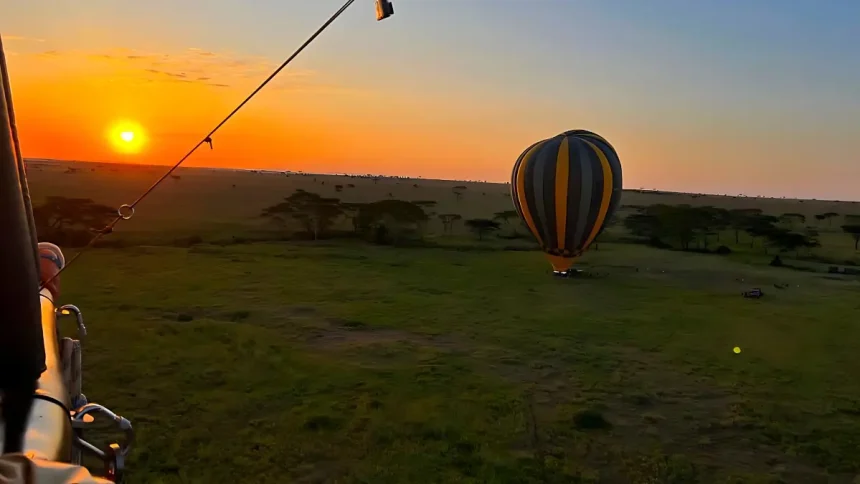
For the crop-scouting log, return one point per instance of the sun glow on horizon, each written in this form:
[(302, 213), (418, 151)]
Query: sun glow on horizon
[(127, 137)]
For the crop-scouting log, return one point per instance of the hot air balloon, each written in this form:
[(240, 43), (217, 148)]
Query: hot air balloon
[(565, 188)]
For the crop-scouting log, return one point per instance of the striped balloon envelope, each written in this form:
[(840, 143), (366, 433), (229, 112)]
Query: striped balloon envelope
[(565, 189)]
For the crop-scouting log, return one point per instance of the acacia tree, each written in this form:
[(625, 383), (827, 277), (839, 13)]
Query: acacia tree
[(506, 216), (425, 203), (643, 224), (391, 220), (760, 226), (482, 226), (67, 221), (708, 221), (786, 240), (792, 218), (679, 225), (662, 223), (448, 220), (352, 211), (740, 219), (458, 192), (58, 213), (683, 223), (314, 213), (826, 216), (854, 232)]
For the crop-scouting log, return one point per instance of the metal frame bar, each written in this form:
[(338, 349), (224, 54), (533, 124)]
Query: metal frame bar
[(22, 347)]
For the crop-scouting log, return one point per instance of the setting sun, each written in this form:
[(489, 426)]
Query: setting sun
[(126, 137)]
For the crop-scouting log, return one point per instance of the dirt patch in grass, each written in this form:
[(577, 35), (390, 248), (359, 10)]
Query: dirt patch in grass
[(301, 311), (191, 314), (332, 333), (310, 326), (340, 333)]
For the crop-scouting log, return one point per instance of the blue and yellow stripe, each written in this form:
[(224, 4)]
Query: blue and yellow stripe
[(565, 188)]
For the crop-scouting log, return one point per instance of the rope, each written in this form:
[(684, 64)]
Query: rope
[(126, 211)]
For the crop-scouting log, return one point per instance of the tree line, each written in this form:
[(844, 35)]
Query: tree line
[(388, 221), (687, 227), (73, 221)]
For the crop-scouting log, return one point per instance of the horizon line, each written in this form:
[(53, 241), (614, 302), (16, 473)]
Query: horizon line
[(641, 190)]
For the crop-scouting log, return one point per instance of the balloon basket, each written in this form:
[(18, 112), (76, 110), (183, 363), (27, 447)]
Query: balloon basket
[(568, 273)]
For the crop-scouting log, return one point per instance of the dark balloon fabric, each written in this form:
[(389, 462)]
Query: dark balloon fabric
[(565, 188)]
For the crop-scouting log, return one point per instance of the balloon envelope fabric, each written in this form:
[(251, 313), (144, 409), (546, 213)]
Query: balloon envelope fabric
[(565, 188)]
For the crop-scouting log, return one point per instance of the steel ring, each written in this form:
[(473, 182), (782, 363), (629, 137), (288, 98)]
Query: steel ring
[(125, 211)]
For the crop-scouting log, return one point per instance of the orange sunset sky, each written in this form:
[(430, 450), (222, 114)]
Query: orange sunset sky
[(721, 97)]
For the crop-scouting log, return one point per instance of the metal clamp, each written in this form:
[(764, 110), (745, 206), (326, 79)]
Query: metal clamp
[(114, 456), (72, 309)]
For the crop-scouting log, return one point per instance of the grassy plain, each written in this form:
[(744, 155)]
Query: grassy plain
[(345, 362)]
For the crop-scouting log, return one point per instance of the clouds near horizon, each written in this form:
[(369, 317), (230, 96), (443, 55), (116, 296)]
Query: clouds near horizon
[(190, 65)]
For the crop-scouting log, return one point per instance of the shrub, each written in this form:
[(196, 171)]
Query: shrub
[(723, 250)]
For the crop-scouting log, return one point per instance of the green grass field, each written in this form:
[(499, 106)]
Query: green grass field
[(345, 362)]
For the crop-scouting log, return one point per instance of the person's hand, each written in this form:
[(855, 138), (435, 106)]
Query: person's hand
[(50, 263)]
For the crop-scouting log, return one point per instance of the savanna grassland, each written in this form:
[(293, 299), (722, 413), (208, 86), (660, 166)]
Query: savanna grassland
[(244, 357)]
